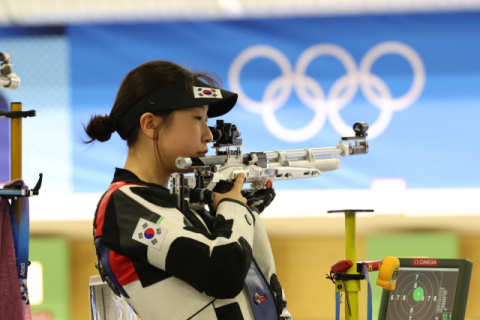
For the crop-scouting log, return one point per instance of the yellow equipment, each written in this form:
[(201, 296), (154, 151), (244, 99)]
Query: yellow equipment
[(388, 272)]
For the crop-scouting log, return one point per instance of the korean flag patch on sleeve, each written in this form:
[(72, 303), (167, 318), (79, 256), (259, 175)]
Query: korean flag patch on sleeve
[(149, 233), (203, 92)]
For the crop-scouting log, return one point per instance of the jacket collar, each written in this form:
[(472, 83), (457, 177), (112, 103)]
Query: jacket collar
[(128, 176)]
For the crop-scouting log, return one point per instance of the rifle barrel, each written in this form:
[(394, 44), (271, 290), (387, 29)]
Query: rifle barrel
[(325, 164), (295, 154)]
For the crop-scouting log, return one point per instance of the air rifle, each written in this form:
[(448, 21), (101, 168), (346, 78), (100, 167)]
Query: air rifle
[(217, 173)]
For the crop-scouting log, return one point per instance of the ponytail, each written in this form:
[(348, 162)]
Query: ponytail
[(100, 128)]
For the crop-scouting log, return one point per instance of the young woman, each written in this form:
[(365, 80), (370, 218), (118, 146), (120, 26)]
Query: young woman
[(170, 264)]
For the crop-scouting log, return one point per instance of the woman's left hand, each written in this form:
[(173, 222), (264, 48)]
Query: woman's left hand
[(261, 199), (235, 193)]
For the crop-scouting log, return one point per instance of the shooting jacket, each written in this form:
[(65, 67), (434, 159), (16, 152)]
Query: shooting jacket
[(175, 265)]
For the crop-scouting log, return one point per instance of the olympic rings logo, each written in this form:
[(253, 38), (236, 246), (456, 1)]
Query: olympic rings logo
[(340, 94)]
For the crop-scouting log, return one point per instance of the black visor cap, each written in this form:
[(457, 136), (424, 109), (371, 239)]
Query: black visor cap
[(175, 96)]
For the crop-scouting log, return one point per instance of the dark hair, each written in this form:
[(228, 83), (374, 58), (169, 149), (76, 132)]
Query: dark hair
[(138, 83)]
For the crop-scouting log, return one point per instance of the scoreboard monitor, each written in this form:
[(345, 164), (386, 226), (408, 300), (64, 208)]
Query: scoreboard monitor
[(428, 289)]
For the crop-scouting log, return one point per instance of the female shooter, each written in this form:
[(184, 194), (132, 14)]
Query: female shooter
[(166, 263)]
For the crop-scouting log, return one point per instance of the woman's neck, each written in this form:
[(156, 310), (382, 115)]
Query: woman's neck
[(146, 168)]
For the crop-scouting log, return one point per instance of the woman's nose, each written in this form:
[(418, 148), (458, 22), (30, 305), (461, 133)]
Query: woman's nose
[(207, 135)]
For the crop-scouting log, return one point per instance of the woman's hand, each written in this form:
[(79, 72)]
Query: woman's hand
[(234, 194), (262, 198)]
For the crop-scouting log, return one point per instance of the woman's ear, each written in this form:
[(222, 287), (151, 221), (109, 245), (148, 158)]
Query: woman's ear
[(148, 123)]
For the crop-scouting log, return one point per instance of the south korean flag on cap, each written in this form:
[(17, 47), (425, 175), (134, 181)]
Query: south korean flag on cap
[(149, 233), (203, 92)]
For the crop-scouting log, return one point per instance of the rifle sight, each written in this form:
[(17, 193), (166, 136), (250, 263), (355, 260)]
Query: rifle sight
[(225, 134)]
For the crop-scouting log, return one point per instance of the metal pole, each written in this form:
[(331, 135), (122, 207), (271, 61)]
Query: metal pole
[(353, 286), (16, 153)]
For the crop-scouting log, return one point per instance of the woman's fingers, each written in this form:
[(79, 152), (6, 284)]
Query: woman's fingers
[(235, 193), (238, 185)]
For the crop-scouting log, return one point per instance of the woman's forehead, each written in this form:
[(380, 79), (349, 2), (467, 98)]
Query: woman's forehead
[(203, 108)]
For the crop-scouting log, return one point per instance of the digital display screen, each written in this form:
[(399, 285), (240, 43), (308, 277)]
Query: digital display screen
[(423, 293)]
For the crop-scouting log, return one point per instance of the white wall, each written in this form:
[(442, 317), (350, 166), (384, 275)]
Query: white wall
[(54, 12)]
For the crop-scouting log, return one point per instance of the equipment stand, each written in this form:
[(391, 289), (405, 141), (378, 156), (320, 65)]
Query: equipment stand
[(16, 154), (352, 285)]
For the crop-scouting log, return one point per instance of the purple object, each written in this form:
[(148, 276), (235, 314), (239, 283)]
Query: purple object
[(10, 300)]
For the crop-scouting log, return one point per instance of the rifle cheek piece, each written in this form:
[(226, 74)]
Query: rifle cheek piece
[(183, 163)]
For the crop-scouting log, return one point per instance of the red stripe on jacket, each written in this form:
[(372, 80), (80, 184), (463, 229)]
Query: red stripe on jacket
[(122, 266), (103, 205)]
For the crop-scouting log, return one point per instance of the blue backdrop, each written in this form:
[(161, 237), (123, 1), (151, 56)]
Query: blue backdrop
[(414, 78)]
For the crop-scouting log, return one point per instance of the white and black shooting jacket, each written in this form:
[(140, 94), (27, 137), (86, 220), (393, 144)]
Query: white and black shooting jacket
[(173, 265)]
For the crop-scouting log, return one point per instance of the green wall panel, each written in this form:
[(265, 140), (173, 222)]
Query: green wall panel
[(431, 245), (53, 254)]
